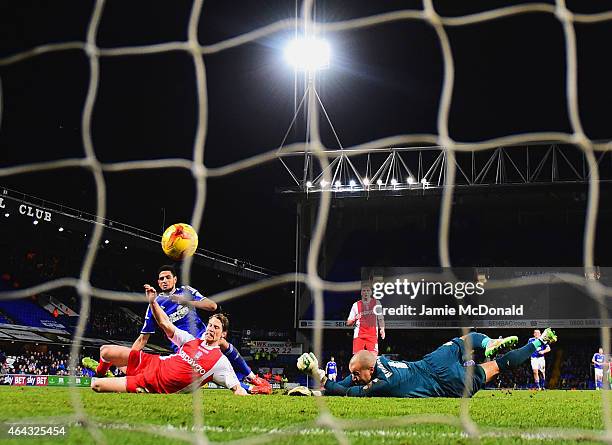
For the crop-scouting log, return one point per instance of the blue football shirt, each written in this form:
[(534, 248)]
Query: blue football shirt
[(331, 368), (599, 360), (183, 317), (536, 353)]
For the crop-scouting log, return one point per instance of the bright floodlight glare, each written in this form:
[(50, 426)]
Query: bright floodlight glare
[(410, 180), (308, 54), (323, 183), (379, 182), (338, 183), (352, 183), (394, 181), (61, 229), (7, 214), (366, 181), (106, 241), (309, 184)]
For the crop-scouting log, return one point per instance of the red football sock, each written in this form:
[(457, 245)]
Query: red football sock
[(103, 366)]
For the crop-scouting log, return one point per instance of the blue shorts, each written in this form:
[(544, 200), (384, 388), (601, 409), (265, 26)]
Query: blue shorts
[(446, 364)]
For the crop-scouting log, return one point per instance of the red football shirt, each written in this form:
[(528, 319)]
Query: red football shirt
[(194, 364)]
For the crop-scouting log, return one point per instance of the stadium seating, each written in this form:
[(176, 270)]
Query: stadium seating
[(27, 313)]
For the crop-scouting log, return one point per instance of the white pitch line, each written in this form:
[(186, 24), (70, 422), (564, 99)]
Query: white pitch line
[(368, 433)]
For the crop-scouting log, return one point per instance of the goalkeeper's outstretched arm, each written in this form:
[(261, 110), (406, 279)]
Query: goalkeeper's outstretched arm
[(376, 388)]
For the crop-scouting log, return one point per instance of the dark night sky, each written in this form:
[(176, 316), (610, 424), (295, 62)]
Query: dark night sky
[(384, 80)]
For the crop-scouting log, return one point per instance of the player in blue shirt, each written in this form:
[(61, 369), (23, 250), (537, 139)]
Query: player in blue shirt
[(538, 362), (439, 374), (598, 361), (180, 304), (331, 369)]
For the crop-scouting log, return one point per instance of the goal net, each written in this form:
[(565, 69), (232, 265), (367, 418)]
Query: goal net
[(92, 163)]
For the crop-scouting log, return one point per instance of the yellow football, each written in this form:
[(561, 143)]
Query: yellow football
[(179, 241)]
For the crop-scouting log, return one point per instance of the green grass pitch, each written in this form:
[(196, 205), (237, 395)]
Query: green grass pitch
[(133, 418)]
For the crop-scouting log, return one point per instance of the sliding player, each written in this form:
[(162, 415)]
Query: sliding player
[(439, 374), (180, 304), (538, 362), (199, 360)]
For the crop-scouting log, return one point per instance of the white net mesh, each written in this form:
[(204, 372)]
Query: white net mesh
[(201, 174)]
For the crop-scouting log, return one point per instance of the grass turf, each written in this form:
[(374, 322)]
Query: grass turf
[(133, 418)]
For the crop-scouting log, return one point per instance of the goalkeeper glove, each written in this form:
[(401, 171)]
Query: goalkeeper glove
[(308, 364)]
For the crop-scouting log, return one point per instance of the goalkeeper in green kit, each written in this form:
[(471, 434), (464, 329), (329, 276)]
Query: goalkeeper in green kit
[(439, 374)]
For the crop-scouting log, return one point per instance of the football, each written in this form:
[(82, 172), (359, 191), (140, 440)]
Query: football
[(179, 241)]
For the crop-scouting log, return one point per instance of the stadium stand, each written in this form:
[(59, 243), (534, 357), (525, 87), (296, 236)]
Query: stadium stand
[(40, 362), (26, 312), (4, 319)]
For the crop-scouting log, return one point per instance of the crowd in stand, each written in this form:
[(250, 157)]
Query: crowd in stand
[(113, 323), (40, 363)]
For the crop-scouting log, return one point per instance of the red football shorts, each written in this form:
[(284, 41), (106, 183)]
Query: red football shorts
[(142, 372), (359, 344)]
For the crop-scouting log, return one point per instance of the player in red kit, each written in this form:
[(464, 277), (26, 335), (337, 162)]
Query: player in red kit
[(367, 323), (198, 361)]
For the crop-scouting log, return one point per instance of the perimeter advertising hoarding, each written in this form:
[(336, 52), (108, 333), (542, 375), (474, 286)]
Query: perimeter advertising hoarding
[(43, 380)]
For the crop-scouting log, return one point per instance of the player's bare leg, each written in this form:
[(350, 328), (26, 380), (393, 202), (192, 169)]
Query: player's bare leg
[(109, 385), (117, 355), (536, 378), (109, 355), (491, 369)]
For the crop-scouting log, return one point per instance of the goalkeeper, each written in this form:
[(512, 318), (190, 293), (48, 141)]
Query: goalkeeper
[(439, 374)]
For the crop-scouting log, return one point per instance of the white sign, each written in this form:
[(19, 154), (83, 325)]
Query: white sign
[(52, 324), (33, 212)]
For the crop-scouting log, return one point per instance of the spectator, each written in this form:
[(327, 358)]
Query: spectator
[(41, 363)]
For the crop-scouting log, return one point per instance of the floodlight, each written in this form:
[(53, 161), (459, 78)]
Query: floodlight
[(338, 184), (352, 183), (411, 180), (61, 229), (323, 183), (366, 181), (393, 181), (35, 222), (379, 182), (309, 184), (308, 54)]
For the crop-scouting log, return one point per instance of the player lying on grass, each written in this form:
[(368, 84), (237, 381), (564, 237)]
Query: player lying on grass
[(198, 361), (180, 303), (439, 374)]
